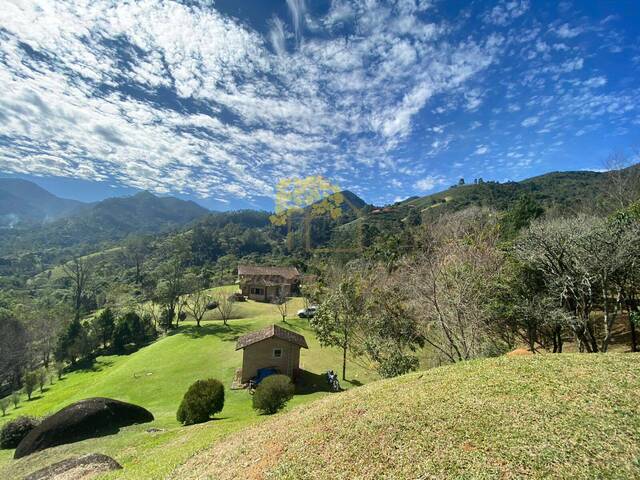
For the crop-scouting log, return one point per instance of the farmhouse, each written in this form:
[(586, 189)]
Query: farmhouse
[(271, 347), (266, 284)]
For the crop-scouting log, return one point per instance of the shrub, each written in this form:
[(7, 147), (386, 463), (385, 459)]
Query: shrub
[(4, 405), (203, 399), (14, 431), (273, 393)]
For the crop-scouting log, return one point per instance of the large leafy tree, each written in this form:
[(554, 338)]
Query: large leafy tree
[(340, 318)]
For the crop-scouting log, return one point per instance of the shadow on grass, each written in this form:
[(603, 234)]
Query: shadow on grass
[(227, 333), (308, 382), (89, 365)]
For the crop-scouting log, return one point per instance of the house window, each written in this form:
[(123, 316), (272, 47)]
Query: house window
[(257, 291), (277, 352)]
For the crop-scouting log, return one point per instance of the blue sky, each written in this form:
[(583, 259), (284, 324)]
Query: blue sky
[(218, 100)]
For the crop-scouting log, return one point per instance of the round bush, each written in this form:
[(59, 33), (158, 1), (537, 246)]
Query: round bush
[(203, 399), (273, 393), (14, 431)]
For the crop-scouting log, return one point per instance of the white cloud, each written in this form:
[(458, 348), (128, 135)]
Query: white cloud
[(530, 121), (481, 150), (430, 182), (506, 11), (565, 31)]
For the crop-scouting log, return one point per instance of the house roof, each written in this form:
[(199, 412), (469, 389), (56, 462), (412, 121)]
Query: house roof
[(270, 332), (285, 272)]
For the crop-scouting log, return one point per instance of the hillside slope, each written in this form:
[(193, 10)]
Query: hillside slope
[(22, 201), (106, 221), (546, 416)]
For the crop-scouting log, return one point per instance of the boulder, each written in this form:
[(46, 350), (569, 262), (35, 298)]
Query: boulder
[(77, 468), (93, 417)]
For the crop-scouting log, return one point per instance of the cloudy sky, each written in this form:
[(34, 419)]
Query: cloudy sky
[(217, 100)]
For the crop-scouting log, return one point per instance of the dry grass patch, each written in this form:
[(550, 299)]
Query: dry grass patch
[(541, 416)]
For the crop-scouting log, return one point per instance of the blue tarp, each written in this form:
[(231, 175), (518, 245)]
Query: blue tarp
[(264, 373)]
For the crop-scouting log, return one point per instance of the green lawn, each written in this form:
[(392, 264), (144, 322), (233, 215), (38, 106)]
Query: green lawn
[(156, 377), (568, 416)]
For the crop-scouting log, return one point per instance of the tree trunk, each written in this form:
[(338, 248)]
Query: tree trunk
[(344, 362), (634, 333)]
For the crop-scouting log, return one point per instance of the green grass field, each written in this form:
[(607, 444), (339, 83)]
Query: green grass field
[(156, 377), (568, 416)]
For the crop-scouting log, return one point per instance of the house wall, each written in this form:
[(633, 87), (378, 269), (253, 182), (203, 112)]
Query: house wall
[(268, 293), (260, 355)]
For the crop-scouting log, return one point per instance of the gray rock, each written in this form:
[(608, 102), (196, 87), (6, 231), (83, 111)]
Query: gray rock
[(77, 467), (90, 418)]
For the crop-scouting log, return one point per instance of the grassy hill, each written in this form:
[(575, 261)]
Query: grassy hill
[(544, 416), (156, 377)]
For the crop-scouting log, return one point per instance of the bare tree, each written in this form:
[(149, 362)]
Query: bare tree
[(77, 270), (449, 281), (197, 303), (280, 301), (623, 179), (225, 303)]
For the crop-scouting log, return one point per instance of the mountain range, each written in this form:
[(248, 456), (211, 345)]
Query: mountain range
[(35, 220)]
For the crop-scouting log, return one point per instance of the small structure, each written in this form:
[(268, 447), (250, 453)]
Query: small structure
[(271, 347), (266, 284)]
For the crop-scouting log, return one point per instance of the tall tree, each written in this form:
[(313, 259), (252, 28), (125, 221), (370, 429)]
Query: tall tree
[(78, 271), (339, 319)]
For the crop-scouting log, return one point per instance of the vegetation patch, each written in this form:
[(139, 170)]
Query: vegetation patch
[(542, 416), (204, 399)]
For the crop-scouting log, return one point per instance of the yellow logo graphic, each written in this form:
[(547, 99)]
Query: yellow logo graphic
[(303, 199)]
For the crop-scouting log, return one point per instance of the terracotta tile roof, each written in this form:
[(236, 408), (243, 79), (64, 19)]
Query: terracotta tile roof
[(285, 272), (269, 332)]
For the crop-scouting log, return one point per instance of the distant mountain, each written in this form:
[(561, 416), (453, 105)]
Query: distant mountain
[(560, 192), (105, 222), (23, 202)]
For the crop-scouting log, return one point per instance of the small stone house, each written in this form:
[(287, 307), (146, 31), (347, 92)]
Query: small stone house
[(271, 347), (266, 284)]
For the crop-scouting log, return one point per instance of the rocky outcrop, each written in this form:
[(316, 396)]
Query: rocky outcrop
[(85, 467), (93, 417)]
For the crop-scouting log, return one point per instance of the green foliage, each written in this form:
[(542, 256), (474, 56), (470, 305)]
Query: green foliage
[(4, 405), (14, 431), (203, 399), (73, 343), (273, 393), (131, 329), (30, 383), (105, 324), (520, 216)]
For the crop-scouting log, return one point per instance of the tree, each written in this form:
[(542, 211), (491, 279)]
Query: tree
[(70, 343), (449, 281), (391, 333), (15, 399), (280, 301), (339, 319), (104, 324), (4, 405), (170, 285), (30, 382), (557, 249), (59, 367), (414, 218), (78, 271), (225, 306), (13, 349), (135, 251), (42, 378), (520, 216), (199, 300)]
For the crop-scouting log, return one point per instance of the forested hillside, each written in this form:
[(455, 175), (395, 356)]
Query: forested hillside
[(24, 203)]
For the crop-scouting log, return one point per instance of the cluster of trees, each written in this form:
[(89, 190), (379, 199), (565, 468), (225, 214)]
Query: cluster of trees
[(478, 283)]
